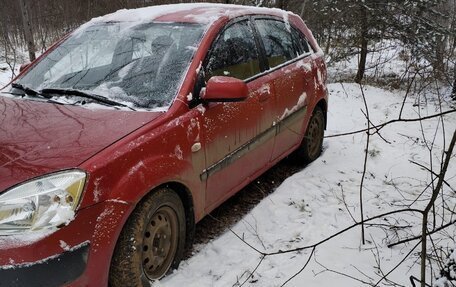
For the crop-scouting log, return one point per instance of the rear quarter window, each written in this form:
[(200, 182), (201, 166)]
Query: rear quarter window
[(279, 44), (300, 42)]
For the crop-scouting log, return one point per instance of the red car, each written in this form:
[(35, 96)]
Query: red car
[(128, 131)]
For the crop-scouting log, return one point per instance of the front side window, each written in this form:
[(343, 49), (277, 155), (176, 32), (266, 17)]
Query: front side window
[(234, 53), (140, 64), (277, 40)]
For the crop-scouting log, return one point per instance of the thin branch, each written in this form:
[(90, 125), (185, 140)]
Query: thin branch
[(343, 231), (382, 125), (345, 203), (377, 131), (434, 173), (398, 264), (253, 271), (366, 152), (435, 193), (419, 236), (302, 269)]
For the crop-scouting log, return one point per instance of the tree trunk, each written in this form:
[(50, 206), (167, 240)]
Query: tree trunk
[(435, 193), (28, 32), (453, 94), (280, 4), (328, 41), (303, 8), (364, 42), (453, 28), (439, 57)]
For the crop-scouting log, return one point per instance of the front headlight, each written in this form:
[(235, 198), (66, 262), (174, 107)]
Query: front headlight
[(44, 203)]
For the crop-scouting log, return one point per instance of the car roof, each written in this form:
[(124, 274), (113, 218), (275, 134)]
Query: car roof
[(204, 13)]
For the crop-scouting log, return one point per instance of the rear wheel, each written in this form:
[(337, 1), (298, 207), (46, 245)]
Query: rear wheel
[(312, 143), (151, 242)]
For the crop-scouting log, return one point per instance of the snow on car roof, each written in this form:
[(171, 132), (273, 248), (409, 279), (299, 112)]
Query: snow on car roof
[(204, 13)]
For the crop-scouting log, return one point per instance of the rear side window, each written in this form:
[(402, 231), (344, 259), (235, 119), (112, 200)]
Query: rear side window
[(234, 53), (278, 41), (300, 42)]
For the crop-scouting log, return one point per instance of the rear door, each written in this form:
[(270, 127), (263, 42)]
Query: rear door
[(292, 74)]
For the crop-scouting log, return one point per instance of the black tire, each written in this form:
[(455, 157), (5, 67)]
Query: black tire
[(152, 241), (312, 144)]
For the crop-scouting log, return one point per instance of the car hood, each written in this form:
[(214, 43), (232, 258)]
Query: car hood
[(37, 138)]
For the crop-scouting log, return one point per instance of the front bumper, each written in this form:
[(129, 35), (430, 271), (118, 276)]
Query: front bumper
[(78, 254), (54, 271)]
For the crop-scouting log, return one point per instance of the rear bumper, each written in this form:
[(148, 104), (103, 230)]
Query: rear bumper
[(53, 271)]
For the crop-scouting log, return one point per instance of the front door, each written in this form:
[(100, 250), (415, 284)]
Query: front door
[(236, 144)]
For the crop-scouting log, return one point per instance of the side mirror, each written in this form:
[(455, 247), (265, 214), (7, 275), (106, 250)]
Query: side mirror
[(24, 66), (225, 89)]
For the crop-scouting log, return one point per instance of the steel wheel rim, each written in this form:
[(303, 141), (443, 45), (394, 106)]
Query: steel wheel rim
[(315, 136), (160, 242)]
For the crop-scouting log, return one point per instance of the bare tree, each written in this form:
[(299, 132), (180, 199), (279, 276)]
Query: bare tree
[(28, 32)]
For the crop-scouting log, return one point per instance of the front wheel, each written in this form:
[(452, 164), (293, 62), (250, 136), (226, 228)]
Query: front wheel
[(312, 143), (151, 242)]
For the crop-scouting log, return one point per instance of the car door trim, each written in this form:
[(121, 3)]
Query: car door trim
[(253, 143), (287, 63)]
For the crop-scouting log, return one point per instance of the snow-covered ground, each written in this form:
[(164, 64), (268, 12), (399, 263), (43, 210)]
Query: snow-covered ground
[(5, 69), (316, 203), (5, 75)]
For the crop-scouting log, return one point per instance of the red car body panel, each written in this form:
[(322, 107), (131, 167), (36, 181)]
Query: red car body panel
[(40, 138), (128, 154)]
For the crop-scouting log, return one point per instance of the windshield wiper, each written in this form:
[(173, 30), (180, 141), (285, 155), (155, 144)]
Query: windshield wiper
[(82, 94), (30, 92)]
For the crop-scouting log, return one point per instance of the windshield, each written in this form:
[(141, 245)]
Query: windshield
[(139, 64)]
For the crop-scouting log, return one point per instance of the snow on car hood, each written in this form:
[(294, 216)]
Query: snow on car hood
[(39, 138)]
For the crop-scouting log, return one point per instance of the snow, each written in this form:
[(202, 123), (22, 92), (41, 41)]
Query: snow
[(448, 279), (265, 89), (201, 109), (5, 71), (97, 192), (208, 13), (64, 215), (107, 212), (136, 168), (309, 206), (199, 66), (178, 152), (299, 104), (306, 66), (13, 241), (118, 201), (64, 245), (5, 76), (388, 61)]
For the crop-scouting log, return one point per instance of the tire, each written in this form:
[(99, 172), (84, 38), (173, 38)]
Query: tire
[(152, 241), (312, 144)]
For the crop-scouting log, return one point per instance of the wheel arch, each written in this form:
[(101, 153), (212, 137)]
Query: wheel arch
[(186, 198), (323, 105), (184, 194)]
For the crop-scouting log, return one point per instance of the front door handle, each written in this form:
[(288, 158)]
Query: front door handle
[(264, 97), (196, 147)]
